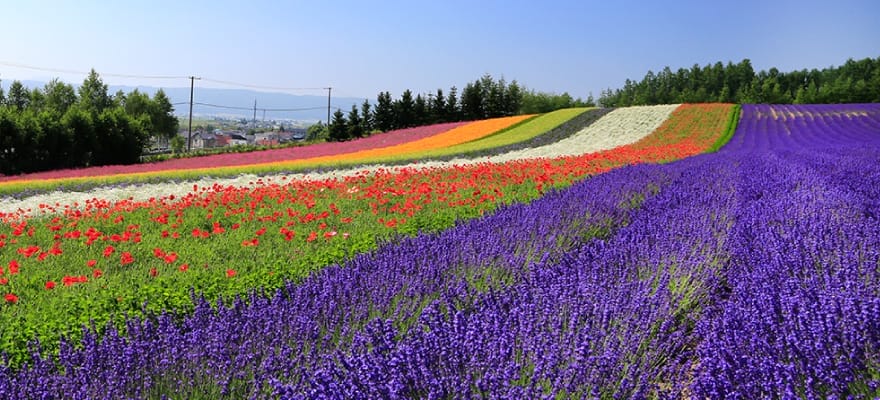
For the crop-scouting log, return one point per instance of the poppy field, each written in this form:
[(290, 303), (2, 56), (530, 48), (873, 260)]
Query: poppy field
[(648, 266)]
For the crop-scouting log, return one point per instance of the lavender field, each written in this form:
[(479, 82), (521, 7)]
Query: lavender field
[(753, 272)]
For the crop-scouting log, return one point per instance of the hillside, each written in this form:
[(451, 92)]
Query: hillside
[(625, 258)]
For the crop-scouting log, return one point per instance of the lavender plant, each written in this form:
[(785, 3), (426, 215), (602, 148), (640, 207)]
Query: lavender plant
[(747, 273)]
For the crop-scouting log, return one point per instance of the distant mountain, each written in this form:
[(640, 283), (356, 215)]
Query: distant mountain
[(238, 103)]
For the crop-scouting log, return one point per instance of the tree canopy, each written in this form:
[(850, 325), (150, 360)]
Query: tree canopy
[(852, 82), (483, 98), (58, 127)]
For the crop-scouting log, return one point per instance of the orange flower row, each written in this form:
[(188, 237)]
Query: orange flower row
[(465, 133)]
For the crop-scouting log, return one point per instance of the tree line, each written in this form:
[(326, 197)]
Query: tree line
[(58, 127), (483, 98), (853, 82)]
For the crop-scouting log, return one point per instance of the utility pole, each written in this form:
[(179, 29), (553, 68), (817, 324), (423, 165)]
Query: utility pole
[(255, 113), (192, 80), (328, 106)]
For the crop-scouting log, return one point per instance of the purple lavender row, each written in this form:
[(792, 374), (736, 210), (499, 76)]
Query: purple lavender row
[(286, 341), (612, 318), (816, 126), (749, 273), (802, 319), (802, 316)]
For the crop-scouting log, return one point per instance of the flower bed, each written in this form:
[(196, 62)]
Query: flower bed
[(111, 258)]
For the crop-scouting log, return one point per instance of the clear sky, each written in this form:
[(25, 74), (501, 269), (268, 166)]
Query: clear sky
[(363, 47)]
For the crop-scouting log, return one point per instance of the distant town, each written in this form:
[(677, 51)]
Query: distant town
[(216, 132)]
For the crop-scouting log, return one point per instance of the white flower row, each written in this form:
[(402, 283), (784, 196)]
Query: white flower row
[(617, 128)]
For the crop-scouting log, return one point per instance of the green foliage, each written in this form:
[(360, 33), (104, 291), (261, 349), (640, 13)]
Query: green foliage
[(316, 131), (481, 99), (852, 82), (93, 95), (178, 143), (18, 96), (338, 131), (453, 110), (540, 102), (383, 116), (355, 124), (52, 127), (729, 130), (59, 96), (404, 114), (366, 117)]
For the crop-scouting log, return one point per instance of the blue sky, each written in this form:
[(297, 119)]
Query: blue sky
[(363, 47)]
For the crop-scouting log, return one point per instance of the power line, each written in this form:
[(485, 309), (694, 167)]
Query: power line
[(117, 75), (258, 108), (192, 85), (71, 71), (230, 83)]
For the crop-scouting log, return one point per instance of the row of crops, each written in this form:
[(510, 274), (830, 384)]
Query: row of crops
[(748, 273)]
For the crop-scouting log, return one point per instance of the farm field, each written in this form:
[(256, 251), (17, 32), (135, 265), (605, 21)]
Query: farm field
[(561, 273), (320, 149), (400, 144)]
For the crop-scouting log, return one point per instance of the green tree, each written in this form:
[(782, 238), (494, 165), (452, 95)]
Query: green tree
[(404, 116), (36, 99), (178, 143), (494, 97), (513, 98), (338, 131), (472, 101), (366, 117), (18, 97), (420, 111), (84, 142), (453, 112), (93, 95), (438, 107), (120, 138), (383, 116), (10, 136), (162, 117), (316, 131), (354, 124), (136, 103), (59, 96)]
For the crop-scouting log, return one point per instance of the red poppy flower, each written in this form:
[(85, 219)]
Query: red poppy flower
[(13, 267), (11, 298), (50, 285), (230, 273)]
